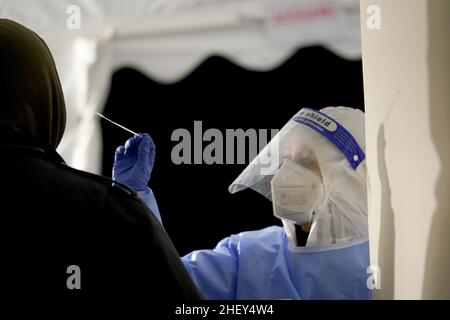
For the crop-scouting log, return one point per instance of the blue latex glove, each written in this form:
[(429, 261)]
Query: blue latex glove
[(133, 162), (133, 166)]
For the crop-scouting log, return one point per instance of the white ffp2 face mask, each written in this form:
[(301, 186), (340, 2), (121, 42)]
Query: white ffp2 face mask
[(296, 193)]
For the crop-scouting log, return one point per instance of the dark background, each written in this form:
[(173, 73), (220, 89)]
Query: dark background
[(194, 202)]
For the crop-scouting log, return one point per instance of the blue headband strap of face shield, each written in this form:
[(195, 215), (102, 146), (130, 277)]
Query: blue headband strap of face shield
[(334, 132)]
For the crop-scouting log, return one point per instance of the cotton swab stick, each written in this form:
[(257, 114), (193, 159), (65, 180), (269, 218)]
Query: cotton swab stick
[(120, 126)]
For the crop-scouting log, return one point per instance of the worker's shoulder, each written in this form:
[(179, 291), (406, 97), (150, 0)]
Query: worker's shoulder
[(255, 238), (87, 180)]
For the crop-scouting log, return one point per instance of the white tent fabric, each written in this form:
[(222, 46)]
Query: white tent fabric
[(165, 39)]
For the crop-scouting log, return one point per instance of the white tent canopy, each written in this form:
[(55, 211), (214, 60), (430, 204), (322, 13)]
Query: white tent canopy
[(167, 39)]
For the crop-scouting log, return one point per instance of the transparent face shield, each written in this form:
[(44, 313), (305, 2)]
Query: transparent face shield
[(289, 145), (314, 175)]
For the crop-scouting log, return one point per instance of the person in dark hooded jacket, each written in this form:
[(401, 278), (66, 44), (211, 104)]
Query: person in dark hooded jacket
[(66, 232)]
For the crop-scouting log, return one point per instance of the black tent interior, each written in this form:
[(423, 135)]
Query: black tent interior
[(195, 205)]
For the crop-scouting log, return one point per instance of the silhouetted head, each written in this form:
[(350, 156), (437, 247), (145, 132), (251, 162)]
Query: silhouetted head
[(31, 97)]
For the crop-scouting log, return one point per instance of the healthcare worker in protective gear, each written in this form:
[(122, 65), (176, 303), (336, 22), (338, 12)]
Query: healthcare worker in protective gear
[(314, 173)]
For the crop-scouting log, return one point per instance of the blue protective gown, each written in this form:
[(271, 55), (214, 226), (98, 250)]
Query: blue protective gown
[(261, 265)]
